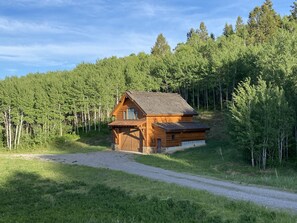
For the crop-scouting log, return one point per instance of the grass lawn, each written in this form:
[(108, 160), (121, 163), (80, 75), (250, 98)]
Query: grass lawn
[(36, 191), (222, 160)]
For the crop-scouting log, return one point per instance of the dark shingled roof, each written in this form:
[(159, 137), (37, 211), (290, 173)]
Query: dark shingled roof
[(182, 126), (153, 103)]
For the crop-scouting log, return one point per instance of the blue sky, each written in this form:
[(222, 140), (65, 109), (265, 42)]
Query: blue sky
[(49, 35)]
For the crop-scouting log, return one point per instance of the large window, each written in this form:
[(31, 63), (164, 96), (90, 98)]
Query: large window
[(131, 113)]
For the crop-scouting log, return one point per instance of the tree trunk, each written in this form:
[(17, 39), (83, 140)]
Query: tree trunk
[(99, 116), (9, 129), (198, 99), (20, 129), (214, 98), (6, 128), (193, 96), (60, 121), (16, 136), (85, 122), (95, 118), (206, 98), (253, 159), (287, 147), (221, 95), (76, 123), (227, 95), (280, 149), (296, 139), (89, 119), (264, 157)]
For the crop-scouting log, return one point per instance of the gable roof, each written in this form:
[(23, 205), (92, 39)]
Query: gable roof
[(157, 103)]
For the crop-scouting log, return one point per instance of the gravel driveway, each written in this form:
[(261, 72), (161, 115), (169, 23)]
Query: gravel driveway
[(125, 162)]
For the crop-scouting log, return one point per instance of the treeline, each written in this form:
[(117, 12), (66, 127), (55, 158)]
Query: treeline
[(38, 107), (205, 70)]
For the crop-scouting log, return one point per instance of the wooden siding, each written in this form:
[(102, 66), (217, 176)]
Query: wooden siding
[(128, 104), (158, 134), (130, 140), (151, 135), (183, 136)]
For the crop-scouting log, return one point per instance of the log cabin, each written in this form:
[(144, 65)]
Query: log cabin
[(154, 122)]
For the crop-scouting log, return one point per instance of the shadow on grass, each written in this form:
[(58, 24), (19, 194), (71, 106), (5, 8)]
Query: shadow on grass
[(85, 142), (27, 197)]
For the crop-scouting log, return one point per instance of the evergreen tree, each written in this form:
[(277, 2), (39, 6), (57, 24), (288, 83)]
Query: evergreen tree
[(240, 28), (190, 33), (202, 31), (228, 30), (161, 47), (263, 22), (293, 11)]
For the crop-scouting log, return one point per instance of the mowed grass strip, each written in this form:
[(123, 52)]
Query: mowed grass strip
[(36, 191), (220, 159)]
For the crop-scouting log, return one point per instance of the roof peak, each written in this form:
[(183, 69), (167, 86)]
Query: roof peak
[(161, 103)]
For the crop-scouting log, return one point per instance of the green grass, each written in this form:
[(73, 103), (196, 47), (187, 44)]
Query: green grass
[(220, 159), (35, 191), (85, 142)]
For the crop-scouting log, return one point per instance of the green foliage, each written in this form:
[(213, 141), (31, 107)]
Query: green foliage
[(228, 30), (261, 121), (161, 47), (294, 11), (263, 22)]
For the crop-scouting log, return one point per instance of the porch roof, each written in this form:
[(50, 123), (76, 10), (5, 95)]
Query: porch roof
[(127, 123)]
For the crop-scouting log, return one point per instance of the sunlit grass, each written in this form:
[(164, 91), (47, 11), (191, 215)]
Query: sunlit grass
[(36, 191)]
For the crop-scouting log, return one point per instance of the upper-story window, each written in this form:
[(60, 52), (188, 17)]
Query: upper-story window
[(131, 113)]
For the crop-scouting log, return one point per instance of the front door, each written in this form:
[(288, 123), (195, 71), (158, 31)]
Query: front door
[(159, 144)]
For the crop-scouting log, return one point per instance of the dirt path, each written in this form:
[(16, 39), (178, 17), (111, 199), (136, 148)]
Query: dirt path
[(125, 162)]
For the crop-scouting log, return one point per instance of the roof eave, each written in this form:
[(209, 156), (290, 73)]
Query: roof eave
[(186, 130), (177, 114)]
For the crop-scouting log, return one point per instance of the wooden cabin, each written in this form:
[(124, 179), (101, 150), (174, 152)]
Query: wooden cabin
[(151, 122)]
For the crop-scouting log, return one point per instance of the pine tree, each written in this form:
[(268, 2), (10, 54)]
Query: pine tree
[(161, 47), (228, 30), (263, 22), (293, 11), (202, 31), (240, 28)]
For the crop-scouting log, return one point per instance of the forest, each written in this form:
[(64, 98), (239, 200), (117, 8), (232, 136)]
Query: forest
[(250, 72)]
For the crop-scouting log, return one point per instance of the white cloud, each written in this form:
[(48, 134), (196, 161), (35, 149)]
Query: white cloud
[(65, 53), (14, 26), (10, 25)]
